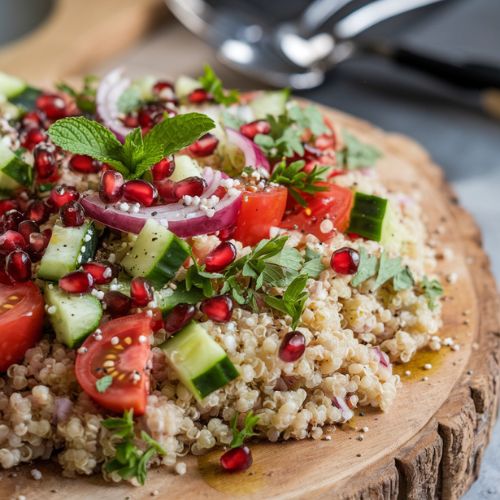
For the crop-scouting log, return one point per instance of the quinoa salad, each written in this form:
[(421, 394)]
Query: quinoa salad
[(184, 267)]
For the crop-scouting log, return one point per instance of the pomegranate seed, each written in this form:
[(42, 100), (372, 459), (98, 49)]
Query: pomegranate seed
[(84, 164), (199, 96), (179, 317), (23, 199), (164, 90), (345, 261), (37, 244), (77, 282), (60, 195), (325, 142), (26, 227), (31, 137), (236, 459), (6, 205), (251, 129), (45, 162), (33, 119), (151, 114), (227, 233), (11, 220), (219, 308), (117, 303), (111, 186), (18, 266), (166, 189), (72, 214), (162, 169), (292, 347), (101, 273), (11, 240), (37, 211), (4, 277), (204, 146), (140, 191), (130, 120), (191, 186), (141, 292), (220, 257), (52, 105)]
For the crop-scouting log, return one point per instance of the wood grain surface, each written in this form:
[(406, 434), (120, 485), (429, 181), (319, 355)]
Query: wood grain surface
[(428, 445)]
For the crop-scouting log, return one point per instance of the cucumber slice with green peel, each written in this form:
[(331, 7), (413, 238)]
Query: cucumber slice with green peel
[(73, 316), (68, 249), (200, 362), (157, 254), (270, 103), (367, 216), (14, 172), (26, 99), (184, 85), (11, 86), (185, 167)]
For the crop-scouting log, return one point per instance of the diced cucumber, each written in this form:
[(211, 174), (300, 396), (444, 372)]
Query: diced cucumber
[(157, 254), (11, 86), (367, 216), (185, 85), (68, 249), (74, 316), (14, 171), (167, 299), (270, 103), (26, 99), (185, 167), (200, 362)]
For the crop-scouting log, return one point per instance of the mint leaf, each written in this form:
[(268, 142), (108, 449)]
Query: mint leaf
[(213, 85), (103, 383), (80, 135), (356, 154), (309, 117), (367, 267), (432, 290), (387, 269), (129, 100), (239, 436), (133, 148), (403, 280)]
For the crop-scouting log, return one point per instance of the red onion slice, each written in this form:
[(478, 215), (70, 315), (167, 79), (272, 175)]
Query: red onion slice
[(340, 403), (109, 91), (254, 157), (382, 357)]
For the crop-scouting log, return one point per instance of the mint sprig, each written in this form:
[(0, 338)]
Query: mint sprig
[(80, 135), (239, 436), (213, 85)]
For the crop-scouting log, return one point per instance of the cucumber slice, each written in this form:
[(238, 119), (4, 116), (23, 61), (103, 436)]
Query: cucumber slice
[(185, 85), (26, 99), (185, 167), (14, 172), (11, 86), (68, 248), (270, 103), (157, 254), (200, 362), (75, 316), (367, 216)]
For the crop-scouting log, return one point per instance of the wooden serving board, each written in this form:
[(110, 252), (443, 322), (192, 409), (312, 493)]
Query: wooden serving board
[(428, 445)]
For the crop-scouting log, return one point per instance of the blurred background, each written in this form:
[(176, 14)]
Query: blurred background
[(47, 40)]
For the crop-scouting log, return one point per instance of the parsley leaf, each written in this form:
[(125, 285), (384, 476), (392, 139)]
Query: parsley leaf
[(388, 268), (297, 180), (83, 136), (103, 383), (313, 266), (367, 267), (129, 461), (284, 138), (432, 290), (249, 424), (308, 117), (84, 99), (403, 280), (129, 100), (213, 85), (356, 154)]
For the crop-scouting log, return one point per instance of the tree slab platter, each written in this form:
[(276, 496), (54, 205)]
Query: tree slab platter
[(428, 445)]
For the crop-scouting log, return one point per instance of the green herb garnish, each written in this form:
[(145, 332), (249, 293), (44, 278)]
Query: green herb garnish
[(297, 180), (356, 154), (138, 154), (84, 99), (129, 461), (239, 436), (308, 117), (432, 290), (213, 85), (103, 383), (284, 138)]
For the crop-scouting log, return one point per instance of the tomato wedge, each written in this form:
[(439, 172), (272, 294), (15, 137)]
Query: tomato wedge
[(334, 204), (260, 210), (21, 317), (123, 353)]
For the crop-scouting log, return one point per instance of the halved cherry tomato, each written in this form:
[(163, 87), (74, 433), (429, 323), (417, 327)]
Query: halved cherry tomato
[(260, 210), (123, 352), (334, 204), (21, 317)]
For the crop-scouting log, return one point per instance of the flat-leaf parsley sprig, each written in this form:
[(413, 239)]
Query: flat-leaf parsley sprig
[(137, 154), (240, 436)]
